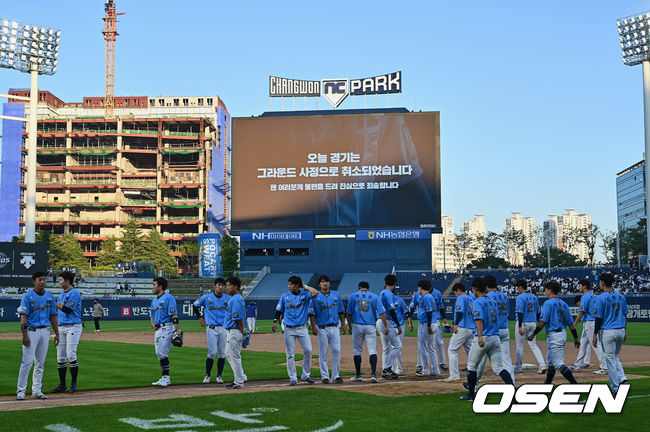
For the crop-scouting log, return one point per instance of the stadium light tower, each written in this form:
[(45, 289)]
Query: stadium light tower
[(34, 50)]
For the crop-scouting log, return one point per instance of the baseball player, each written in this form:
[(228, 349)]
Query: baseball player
[(400, 311), (251, 316), (438, 314), (236, 328), (555, 317), (363, 309), (412, 309), (487, 342), (326, 312), (527, 311), (214, 307), (164, 320), (69, 319), (37, 312), (390, 342), (462, 330), (503, 304), (611, 311), (427, 328), (294, 309), (586, 315)]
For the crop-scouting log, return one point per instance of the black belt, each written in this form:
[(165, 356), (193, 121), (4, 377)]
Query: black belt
[(327, 325), (555, 331), (161, 325), (296, 326), (35, 328), (214, 326)]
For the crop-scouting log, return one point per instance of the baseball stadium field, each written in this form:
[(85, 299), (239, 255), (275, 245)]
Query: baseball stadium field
[(117, 366)]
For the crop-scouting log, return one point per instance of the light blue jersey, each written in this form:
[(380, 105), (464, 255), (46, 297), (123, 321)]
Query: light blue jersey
[(528, 305), (71, 299), (587, 306), (415, 301), (464, 307), (400, 311), (427, 304), (235, 311), (364, 307), (437, 296), (556, 314), (486, 310), (294, 307), (612, 308), (38, 308), (387, 299), (162, 308), (502, 304), (326, 308), (214, 308)]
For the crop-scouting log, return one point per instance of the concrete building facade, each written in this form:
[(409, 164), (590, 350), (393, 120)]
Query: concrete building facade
[(161, 161)]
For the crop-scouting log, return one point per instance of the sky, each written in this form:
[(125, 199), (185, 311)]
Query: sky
[(538, 111)]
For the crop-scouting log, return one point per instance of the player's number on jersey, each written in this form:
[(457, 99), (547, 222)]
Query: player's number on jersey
[(493, 315), (364, 306), (530, 308), (617, 306)]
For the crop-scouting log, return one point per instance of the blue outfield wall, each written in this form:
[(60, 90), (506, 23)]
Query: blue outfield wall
[(133, 309)]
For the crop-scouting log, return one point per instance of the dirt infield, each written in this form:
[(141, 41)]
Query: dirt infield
[(408, 384)]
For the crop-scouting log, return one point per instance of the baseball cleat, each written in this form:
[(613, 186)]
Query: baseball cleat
[(418, 369), (308, 380), (293, 383), (162, 382), (38, 396), (338, 380), (325, 381), (73, 388), (624, 382), (468, 396), (541, 370), (206, 380), (356, 378), (20, 395), (219, 380), (451, 379), (59, 389), (443, 366), (234, 386), (601, 372), (419, 373), (373, 379)]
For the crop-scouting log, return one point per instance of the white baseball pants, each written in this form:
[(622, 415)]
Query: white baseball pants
[(68, 340), (217, 339), (233, 354), (364, 333), (427, 350), (34, 354), (612, 341), (329, 336), (300, 334), (390, 343), (461, 339), (529, 329)]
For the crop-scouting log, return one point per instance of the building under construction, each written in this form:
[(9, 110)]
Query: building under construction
[(162, 161)]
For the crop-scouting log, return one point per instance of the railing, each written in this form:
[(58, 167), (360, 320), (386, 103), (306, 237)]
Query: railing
[(138, 183), (93, 181), (181, 217), (256, 280), (139, 201), (108, 131), (140, 132)]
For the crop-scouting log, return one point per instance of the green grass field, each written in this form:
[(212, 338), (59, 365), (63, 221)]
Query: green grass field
[(638, 332), (108, 365), (315, 409)]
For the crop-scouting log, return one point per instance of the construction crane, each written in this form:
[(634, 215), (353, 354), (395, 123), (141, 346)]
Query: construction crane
[(110, 36)]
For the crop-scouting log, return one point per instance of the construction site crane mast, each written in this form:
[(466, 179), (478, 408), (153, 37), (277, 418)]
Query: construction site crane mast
[(110, 36)]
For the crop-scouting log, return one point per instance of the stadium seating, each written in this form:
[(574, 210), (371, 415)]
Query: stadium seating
[(350, 282), (274, 284)]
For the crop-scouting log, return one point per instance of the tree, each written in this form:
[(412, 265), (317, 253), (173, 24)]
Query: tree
[(463, 248), (65, 251), (489, 261), (109, 255), (514, 243), (156, 250), (632, 240), (608, 244), (189, 254), (589, 237), (559, 258), (132, 248), (229, 254)]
